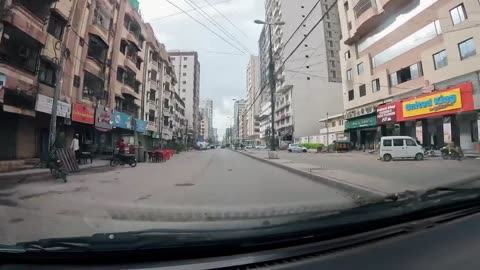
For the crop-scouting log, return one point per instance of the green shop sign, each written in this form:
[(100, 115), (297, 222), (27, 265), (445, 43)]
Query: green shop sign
[(362, 122)]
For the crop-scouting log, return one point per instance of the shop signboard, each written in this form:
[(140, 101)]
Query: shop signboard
[(83, 114), (361, 122), (44, 104), (387, 113), (443, 102), (103, 118), (140, 126), (122, 120)]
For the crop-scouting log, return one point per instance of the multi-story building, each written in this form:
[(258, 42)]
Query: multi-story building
[(187, 68), (411, 68), (204, 127), (98, 48), (308, 83), (264, 60), (179, 123), (208, 105), (253, 103), (238, 107)]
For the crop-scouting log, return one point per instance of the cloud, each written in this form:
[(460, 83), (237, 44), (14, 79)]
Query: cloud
[(223, 68)]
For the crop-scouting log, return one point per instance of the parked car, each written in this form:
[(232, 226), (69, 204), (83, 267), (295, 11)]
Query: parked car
[(399, 147), (249, 146), (223, 146), (261, 147), (296, 148)]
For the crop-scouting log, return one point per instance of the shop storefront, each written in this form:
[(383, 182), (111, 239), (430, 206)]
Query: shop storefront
[(387, 119), (43, 107), (103, 130), (441, 117), (362, 131), (83, 120), (123, 127)]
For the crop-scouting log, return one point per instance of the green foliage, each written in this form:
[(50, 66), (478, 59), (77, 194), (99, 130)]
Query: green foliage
[(312, 145)]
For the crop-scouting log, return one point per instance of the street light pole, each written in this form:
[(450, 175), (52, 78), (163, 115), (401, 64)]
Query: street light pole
[(326, 124), (272, 79), (271, 67)]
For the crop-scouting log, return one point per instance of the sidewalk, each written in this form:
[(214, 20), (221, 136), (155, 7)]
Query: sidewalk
[(44, 172)]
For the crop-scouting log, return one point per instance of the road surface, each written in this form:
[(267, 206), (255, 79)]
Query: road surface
[(204, 186)]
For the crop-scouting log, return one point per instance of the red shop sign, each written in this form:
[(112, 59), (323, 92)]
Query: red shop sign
[(387, 113), (83, 114)]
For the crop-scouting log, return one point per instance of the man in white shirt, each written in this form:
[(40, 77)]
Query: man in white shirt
[(75, 146)]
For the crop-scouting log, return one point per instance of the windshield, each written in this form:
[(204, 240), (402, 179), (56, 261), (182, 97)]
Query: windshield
[(133, 115)]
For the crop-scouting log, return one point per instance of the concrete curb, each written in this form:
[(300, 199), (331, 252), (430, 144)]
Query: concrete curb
[(362, 192)]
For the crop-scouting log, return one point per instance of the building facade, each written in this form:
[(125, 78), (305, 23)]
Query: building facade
[(238, 107), (208, 105), (102, 58), (187, 68), (253, 104), (411, 68), (308, 83)]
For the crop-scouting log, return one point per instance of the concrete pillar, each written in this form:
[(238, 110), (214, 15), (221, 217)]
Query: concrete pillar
[(425, 133), (403, 130)]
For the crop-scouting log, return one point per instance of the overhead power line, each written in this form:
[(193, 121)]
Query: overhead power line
[(311, 30), (206, 27), (186, 11), (293, 51), (303, 21), (226, 18), (205, 15)]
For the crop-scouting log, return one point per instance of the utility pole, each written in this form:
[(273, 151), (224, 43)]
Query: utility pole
[(271, 67), (52, 136), (326, 124)]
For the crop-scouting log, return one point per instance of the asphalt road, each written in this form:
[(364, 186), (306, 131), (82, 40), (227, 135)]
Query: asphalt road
[(191, 188)]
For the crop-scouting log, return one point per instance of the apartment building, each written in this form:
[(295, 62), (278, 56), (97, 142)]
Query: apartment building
[(108, 57), (204, 127), (308, 83), (253, 104), (187, 68), (238, 107), (208, 105), (411, 68)]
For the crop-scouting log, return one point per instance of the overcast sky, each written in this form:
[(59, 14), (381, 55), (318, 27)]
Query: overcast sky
[(223, 68)]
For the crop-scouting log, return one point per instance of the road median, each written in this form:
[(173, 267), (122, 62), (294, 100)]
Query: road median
[(321, 175)]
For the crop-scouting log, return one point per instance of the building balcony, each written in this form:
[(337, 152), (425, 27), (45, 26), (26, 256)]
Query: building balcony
[(282, 105), (128, 90), (29, 17), (152, 105), (167, 78), (284, 89), (166, 112)]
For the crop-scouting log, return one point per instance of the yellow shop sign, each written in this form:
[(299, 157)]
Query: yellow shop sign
[(444, 101)]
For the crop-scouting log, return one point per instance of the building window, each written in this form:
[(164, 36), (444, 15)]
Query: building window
[(458, 14), (172, 58), (406, 74), (46, 73), (332, 63), (185, 58), (349, 25), (345, 5), (467, 48), (97, 49), (184, 90), (334, 123), (440, 60), (184, 82), (184, 66), (330, 43), (56, 25), (363, 90), (350, 95), (376, 85), (328, 25), (329, 34), (184, 74), (153, 95), (92, 86), (360, 69), (151, 116), (349, 75), (347, 55), (332, 53), (334, 74)]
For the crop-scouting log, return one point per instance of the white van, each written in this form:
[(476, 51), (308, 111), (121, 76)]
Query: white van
[(399, 147)]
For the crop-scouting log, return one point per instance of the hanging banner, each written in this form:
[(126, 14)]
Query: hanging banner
[(122, 120), (447, 130), (140, 126), (103, 118), (419, 131)]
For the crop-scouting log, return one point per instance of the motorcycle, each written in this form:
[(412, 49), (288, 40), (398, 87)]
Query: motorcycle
[(429, 151), (451, 153), (123, 159)]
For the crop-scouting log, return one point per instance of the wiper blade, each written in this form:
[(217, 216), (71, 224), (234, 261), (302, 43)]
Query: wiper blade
[(424, 195)]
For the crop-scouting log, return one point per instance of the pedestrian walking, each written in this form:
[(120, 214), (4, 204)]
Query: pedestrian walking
[(121, 146), (75, 146)]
